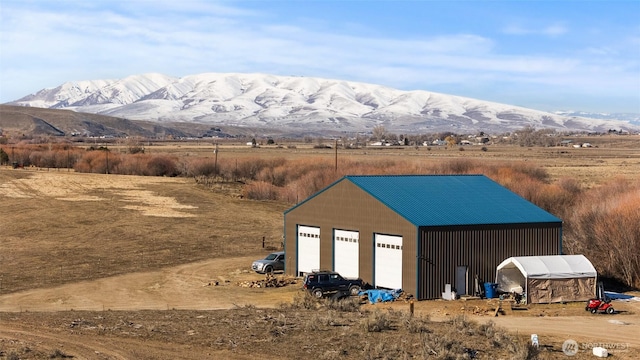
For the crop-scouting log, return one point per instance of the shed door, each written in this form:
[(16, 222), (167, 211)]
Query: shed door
[(388, 261), (308, 249), (346, 253), (461, 280)]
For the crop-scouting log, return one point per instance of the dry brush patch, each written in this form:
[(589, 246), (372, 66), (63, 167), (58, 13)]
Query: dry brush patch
[(50, 155), (290, 333), (605, 226)]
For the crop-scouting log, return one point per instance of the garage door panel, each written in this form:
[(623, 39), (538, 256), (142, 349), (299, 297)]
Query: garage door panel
[(346, 253), (388, 261), (308, 249)]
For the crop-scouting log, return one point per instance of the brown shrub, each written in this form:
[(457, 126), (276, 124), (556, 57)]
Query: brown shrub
[(298, 179), (530, 170), (312, 182), (4, 157), (248, 169), (376, 322), (297, 168), (100, 162), (132, 165), (605, 226), (274, 175), (19, 154), (201, 166), (260, 190), (54, 158), (415, 324), (456, 166), (302, 300), (162, 165)]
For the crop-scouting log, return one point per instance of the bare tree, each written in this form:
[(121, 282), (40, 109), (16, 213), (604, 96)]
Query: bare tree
[(451, 140), (379, 132), (345, 142)]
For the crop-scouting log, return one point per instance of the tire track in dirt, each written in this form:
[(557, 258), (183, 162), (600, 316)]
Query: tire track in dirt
[(82, 348), (89, 347)]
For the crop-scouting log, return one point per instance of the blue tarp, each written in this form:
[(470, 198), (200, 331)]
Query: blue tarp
[(377, 295), (618, 296)]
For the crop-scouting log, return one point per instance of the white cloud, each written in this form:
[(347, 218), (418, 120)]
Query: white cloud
[(549, 30), (601, 51), (555, 30)]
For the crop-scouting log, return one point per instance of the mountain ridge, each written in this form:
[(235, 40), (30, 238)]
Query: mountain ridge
[(22, 121), (298, 105)]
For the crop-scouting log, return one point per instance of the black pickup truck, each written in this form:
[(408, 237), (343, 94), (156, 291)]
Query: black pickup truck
[(321, 283)]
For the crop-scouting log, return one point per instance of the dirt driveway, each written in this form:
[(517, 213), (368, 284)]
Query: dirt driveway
[(192, 286)]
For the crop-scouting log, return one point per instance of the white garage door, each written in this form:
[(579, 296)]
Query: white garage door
[(388, 258), (346, 254), (308, 249)]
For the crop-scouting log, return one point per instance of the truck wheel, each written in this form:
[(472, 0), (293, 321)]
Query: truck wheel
[(317, 293), (268, 270), (610, 310), (354, 290)]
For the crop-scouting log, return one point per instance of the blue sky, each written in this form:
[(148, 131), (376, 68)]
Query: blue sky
[(547, 55)]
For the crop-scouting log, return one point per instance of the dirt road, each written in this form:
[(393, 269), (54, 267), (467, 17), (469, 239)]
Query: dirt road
[(623, 330), (192, 286)]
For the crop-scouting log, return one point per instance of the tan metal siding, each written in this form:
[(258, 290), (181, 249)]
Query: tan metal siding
[(481, 249), (347, 207)]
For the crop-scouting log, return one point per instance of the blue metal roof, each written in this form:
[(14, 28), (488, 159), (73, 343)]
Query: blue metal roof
[(445, 200)]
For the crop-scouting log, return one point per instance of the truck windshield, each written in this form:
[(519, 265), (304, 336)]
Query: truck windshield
[(271, 257)]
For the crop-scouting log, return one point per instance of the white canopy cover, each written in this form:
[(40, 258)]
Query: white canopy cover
[(545, 279), (551, 266)]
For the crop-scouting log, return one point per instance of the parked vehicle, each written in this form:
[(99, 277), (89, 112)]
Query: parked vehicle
[(321, 283), (273, 262)]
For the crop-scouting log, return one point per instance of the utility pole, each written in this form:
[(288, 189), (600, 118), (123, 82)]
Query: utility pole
[(336, 147), (106, 151), (215, 163)]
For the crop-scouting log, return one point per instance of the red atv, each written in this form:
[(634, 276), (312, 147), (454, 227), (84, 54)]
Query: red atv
[(603, 306)]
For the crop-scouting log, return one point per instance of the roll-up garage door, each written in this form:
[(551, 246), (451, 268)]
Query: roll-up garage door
[(388, 258), (308, 249), (346, 254)]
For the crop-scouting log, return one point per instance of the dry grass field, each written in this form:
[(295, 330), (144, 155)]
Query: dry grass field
[(609, 157), (98, 266)]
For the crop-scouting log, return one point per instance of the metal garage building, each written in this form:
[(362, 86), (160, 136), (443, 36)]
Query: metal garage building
[(416, 232)]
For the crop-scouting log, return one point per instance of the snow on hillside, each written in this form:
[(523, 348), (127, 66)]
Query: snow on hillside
[(297, 103)]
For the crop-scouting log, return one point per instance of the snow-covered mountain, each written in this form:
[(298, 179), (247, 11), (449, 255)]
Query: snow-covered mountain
[(633, 118), (298, 105)]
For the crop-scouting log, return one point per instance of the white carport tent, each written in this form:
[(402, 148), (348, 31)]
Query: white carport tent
[(548, 279)]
